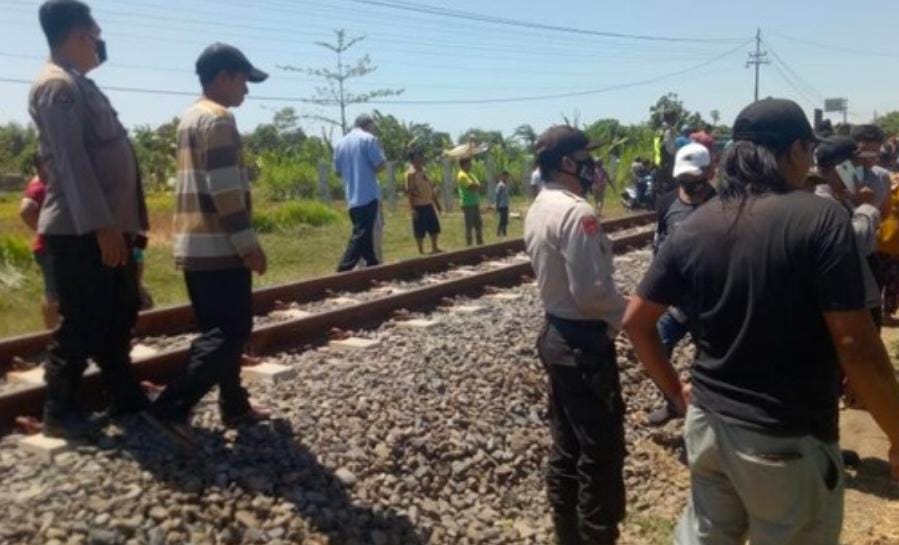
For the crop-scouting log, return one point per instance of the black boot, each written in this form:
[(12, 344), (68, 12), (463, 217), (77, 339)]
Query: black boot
[(75, 424), (124, 393), (63, 415), (566, 527)]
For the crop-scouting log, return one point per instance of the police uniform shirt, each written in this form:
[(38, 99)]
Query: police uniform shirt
[(93, 178), (572, 258)]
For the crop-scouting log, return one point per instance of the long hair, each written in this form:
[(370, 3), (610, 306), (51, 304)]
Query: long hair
[(748, 169)]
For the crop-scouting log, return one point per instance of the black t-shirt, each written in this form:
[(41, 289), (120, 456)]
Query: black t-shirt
[(754, 283), (671, 212)]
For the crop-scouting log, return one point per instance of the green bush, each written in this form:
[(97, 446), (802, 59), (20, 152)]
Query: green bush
[(312, 213), (291, 214), (14, 251), (264, 222), (282, 177)]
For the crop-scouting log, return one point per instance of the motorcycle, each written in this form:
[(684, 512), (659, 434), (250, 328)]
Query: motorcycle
[(640, 194)]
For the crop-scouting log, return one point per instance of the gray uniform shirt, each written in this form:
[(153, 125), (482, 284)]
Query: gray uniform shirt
[(93, 179), (572, 258)]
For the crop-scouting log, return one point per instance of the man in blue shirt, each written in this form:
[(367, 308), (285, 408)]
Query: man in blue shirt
[(357, 159)]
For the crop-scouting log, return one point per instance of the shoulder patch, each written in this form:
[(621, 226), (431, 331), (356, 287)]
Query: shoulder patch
[(590, 225)]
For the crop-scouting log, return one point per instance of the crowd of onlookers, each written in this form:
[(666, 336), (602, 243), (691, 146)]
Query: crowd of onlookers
[(777, 252)]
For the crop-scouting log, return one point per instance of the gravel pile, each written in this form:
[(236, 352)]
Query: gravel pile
[(436, 436)]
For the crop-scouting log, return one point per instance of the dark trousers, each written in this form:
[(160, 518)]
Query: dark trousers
[(503, 225), (585, 483), (222, 301), (473, 224), (362, 242), (98, 308)]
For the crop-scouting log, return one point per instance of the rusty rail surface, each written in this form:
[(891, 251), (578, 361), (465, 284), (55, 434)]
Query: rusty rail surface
[(159, 368), (178, 319)]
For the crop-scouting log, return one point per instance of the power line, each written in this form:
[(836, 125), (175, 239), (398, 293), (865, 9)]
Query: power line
[(519, 99), (810, 88), (840, 48), (288, 35), (786, 78), (502, 46), (279, 77), (471, 16)]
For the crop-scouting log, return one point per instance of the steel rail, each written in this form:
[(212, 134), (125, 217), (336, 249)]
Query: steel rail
[(180, 318), (161, 367)]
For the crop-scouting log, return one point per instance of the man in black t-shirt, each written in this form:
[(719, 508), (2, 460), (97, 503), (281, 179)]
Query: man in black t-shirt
[(769, 279), (692, 172)]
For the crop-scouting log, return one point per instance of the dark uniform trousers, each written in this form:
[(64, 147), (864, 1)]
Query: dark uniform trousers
[(362, 243), (585, 484), (222, 301), (98, 308)]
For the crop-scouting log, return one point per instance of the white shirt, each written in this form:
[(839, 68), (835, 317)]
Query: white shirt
[(572, 258), (536, 179)]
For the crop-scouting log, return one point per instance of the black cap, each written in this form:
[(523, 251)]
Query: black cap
[(776, 122), (219, 56), (834, 150), (558, 141)]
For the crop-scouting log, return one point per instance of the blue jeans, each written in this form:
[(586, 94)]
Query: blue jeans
[(671, 329)]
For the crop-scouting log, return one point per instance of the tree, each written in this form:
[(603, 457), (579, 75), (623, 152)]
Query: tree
[(480, 136), (889, 123), (18, 144), (335, 92), (397, 137), (716, 117), (155, 150), (282, 134), (526, 135), (671, 105), (393, 134)]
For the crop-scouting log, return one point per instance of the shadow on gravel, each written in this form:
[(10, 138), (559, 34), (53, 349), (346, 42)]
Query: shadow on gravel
[(872, 477), (266, 461)]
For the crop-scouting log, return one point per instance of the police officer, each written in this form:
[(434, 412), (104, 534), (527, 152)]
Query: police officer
[(572, 259), (93, 211)]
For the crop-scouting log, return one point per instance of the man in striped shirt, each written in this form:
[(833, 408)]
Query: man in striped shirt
[(215, 245)]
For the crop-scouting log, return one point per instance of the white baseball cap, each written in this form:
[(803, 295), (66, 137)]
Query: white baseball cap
[(691, 160)]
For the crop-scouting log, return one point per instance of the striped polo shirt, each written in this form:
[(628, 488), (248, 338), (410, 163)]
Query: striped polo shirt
[(213, 226)]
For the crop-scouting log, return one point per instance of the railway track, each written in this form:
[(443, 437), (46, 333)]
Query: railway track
[(272, 335)]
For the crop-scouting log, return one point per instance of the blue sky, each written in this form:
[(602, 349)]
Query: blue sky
[(824, 47)]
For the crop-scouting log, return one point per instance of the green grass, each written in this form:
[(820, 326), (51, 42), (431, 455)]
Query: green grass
[(295, 248)]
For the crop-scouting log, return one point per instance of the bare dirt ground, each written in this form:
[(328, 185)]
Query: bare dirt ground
[(872, 501)]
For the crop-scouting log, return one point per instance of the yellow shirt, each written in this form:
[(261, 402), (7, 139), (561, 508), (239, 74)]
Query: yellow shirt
[(419, 188), (469, 189)]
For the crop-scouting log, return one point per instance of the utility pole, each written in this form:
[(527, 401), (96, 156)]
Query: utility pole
[(757, 59)]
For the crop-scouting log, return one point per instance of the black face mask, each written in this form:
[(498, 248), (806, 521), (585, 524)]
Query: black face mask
[(101, 51), (585, 170), (694, 187)]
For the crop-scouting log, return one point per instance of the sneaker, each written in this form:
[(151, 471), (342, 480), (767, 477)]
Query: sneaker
[(177, 432), (252, 415), (661, 416), (74, 425)]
